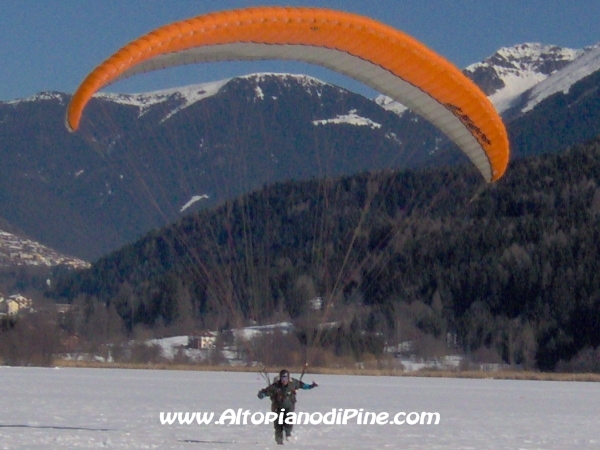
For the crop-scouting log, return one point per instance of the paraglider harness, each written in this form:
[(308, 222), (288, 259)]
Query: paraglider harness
[(280, 395)]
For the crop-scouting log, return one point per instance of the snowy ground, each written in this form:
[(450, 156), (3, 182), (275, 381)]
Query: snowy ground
[(119, 409)]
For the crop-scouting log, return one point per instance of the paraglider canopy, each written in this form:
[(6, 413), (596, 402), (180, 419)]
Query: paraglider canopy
[(380, 56)]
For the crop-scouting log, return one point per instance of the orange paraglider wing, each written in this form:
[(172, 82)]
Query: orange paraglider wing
[(380, 56)]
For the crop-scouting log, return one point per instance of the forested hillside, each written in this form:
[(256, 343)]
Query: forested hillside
[(510, 268)]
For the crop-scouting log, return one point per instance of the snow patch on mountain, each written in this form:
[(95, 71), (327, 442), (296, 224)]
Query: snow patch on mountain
[(251, 332), (259, 93), (351, 118), (390, 104), (194, 199), (562, 81), (515, 85)]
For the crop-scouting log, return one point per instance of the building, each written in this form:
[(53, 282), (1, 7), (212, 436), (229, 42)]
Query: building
[(204, 340), (15, 304)]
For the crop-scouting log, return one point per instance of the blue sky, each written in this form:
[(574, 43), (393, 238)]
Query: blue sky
[(53, 44)]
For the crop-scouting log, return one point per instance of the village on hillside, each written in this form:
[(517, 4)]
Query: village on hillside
[(17, 251)]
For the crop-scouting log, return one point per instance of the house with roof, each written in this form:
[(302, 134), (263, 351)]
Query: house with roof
[(14, 304), (204, 340)]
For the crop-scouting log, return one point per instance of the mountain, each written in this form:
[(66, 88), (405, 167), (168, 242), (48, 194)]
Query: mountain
[(141, 159), (145, 160)]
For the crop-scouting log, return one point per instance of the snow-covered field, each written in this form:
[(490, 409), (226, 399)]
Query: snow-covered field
[(106, 408)]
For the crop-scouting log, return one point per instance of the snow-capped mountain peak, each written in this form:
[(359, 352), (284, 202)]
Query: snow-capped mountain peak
[(303, 80), (186, 96), (539, 57), (313, 86), (562, 81), (511, 71), (41, 96)]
